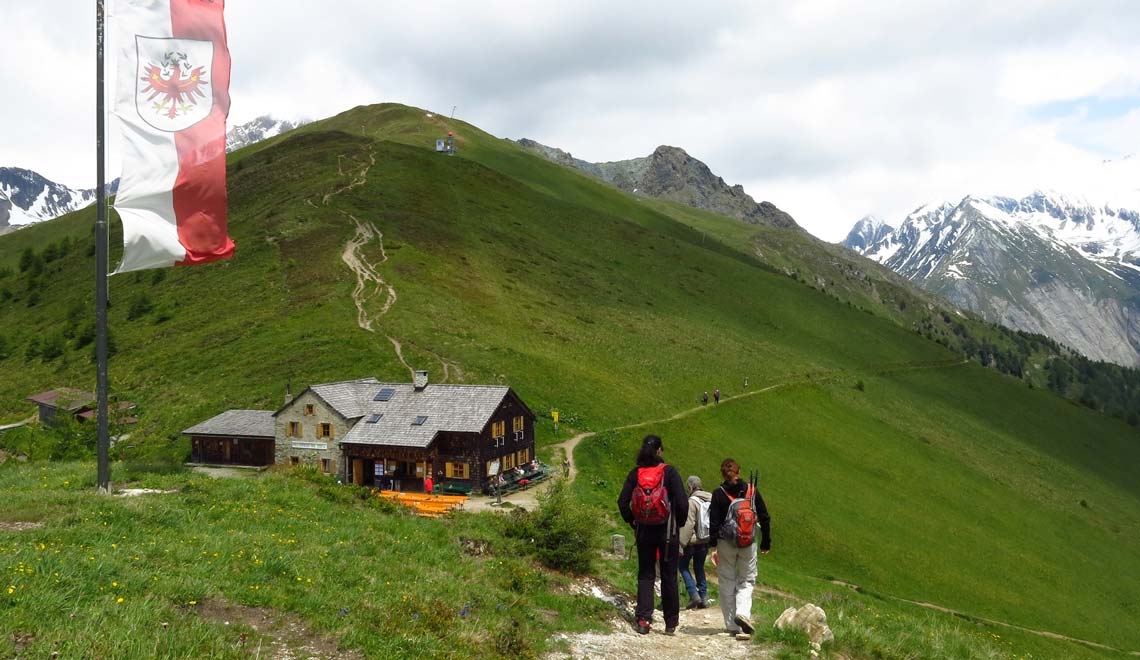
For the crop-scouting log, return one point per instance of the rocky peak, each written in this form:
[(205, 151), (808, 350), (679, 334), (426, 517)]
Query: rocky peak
[(671, 173)]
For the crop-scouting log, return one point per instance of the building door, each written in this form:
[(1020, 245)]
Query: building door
[(358, 471)]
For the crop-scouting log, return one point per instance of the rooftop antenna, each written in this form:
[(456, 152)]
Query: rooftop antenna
[(453, 111)]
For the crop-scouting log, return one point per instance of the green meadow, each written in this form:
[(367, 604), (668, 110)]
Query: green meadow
[(886, 461), (945, 485), (192, 574)]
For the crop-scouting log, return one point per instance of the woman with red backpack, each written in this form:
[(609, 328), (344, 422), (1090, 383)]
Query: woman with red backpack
[(734, 512), (653, 502)]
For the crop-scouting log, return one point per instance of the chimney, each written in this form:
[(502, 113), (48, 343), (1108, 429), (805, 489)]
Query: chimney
[(421, 380), (288, 393)]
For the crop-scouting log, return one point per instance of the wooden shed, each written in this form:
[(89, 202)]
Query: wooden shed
[(235, 437)]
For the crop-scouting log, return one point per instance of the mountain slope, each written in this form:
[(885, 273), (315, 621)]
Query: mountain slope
[(1045, 264), (507, 268)]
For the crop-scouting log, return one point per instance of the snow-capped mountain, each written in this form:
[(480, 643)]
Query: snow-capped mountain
[(1048, 263), (27, 197), (259, 129), (868, 231)]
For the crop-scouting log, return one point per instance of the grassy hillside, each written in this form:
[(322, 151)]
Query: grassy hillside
[(946, 485), (884, 465)]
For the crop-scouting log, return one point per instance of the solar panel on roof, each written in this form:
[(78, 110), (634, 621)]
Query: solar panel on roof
[(375, 418), (420, 419), (385, 394)]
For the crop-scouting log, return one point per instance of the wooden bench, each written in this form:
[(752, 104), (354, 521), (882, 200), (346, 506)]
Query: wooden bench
[(456, 488)]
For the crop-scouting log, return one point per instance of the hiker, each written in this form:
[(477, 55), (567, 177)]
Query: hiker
[(695, 545), (566, 466), (428, 485), (653, 502), (746, 382), (736, 565), (705, 399), (716, 395)]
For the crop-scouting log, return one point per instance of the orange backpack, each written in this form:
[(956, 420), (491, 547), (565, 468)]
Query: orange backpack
[(740, 523)]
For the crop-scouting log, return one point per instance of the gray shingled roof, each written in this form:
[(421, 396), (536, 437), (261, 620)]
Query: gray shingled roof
[(253, 423), (455, 408), (349, 398)]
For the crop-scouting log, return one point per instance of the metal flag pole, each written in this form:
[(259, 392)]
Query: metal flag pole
[(104, 442)]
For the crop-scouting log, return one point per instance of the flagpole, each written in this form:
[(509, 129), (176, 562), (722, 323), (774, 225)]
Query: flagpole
[(103, 439)]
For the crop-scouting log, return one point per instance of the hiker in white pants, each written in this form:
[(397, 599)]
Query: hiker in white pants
[(736, 565), (736, 577)]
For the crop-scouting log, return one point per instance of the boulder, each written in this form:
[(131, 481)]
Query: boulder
[(811, 619)]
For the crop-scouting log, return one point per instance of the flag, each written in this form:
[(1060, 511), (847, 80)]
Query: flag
[(172, 100)]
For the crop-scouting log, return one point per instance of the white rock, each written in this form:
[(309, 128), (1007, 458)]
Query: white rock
[(810, 619)]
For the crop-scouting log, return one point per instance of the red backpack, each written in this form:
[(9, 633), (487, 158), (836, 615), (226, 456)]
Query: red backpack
[(650, 502), (740, 523)]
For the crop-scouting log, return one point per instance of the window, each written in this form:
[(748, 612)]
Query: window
[(294, 460), (308, 409), (375, 418), (324, 430), (457, 471), (419, 421), (325, 465), (517, 424), (498, 429), (384, 394), (294, 429), (508, 461), (524, 456)]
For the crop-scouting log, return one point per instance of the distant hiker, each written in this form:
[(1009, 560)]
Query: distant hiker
[(705, 399), (653, 502), (735, 509), (428, 484), (566, 466), (746, 382), (695, 545), (716, 395)]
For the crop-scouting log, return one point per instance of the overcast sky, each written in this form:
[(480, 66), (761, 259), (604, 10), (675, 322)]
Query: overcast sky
[(829, 109)]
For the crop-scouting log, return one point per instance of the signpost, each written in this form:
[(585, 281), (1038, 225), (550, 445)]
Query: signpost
[(493, 472), (554, 415)]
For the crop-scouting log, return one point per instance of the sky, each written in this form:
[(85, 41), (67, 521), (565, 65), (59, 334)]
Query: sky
[(829, 109)]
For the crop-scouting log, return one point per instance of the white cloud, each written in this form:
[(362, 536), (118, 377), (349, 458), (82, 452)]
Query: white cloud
[(829, 109)]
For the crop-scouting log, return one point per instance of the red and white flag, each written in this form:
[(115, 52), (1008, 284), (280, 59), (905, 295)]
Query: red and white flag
[(172, 100)]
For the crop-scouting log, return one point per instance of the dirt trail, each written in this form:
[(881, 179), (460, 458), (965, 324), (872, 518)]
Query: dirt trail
[(700, 634), (366, 272), (369, 282)]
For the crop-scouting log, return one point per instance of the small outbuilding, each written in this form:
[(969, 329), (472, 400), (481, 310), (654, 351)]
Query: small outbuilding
[(79, 404), (235, 437)]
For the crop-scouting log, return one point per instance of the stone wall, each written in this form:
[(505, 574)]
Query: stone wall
[(307, 447)]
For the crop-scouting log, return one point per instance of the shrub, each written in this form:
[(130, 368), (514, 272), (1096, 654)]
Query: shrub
[(562, 533)]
